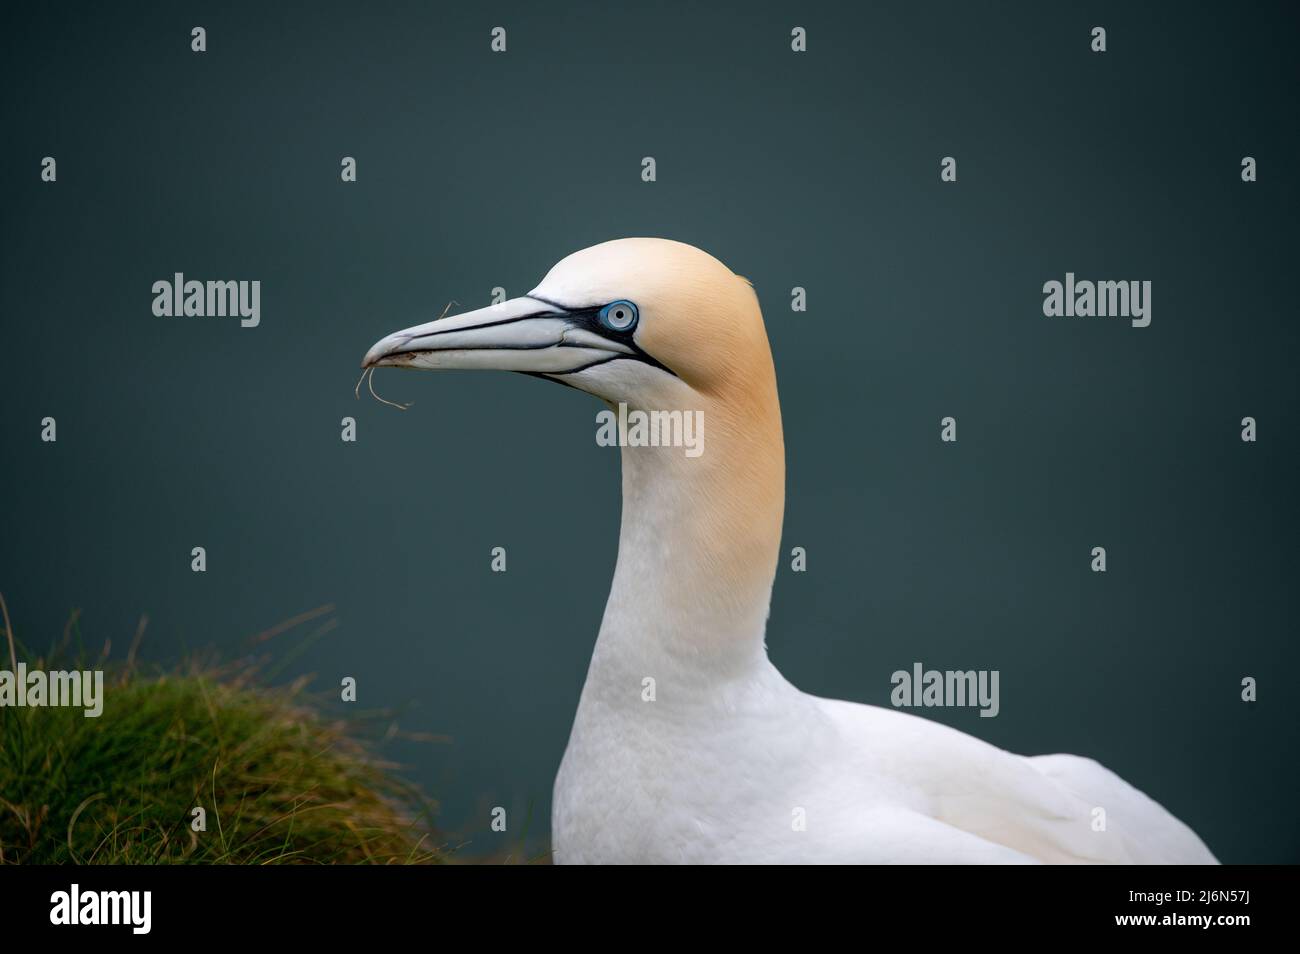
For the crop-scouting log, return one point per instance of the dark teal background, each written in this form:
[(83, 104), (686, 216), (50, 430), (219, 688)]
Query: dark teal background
[(818, 169)]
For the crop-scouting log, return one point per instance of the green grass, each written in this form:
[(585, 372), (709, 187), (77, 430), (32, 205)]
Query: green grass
[(281, 781)]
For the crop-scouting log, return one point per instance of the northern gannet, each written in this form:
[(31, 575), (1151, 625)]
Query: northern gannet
[(730, 762)]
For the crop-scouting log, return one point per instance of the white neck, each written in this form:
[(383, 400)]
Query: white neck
[(697, 553)]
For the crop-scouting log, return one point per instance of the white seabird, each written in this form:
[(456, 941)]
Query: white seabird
[(730, 762)]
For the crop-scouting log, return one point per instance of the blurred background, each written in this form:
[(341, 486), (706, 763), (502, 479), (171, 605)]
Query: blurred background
[(817, 169)]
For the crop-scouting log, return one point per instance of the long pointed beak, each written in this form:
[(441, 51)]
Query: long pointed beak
[(522, 334)]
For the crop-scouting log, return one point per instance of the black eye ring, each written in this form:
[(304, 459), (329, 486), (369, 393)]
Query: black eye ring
[(618, 316)]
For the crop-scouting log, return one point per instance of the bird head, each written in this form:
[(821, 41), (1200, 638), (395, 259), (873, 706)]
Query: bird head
[(639, 320)]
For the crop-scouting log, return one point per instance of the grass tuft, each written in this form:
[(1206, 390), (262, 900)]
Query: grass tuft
[(280, 780)]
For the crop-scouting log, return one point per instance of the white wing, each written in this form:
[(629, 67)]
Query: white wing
[(1041, 808)]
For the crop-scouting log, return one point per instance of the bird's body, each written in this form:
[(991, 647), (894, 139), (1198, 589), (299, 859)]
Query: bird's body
[(755, 771), (688, 745)]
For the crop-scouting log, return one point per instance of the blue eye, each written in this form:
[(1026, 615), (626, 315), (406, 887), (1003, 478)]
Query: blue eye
[(618, 315)]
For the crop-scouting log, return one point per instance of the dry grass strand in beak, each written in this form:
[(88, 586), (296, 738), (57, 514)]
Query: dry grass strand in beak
[(371, 384), (356, 392)]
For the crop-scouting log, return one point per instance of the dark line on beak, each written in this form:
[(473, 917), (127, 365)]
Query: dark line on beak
[(583, 318), (486, 324)]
